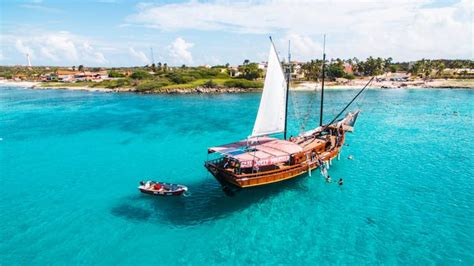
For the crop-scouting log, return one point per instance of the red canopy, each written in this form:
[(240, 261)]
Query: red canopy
[(258, 151)]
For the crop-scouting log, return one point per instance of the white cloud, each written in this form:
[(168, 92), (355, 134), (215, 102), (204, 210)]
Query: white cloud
[(179, 51), (302, 47), (23, 48), (404, 29), (61, 46), (139, 55)]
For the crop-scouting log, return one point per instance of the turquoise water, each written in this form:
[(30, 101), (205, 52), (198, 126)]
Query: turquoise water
[(70, 163)]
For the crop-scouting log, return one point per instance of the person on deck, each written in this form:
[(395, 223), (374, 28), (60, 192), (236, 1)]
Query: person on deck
[(256, 168), (340, 132)]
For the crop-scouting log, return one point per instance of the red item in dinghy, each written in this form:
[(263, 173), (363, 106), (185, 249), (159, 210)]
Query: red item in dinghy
[(157, 186)]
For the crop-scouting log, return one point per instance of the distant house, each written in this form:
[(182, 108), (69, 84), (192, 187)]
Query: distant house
[(65, 75), (348, 68), (297, 70), (83, 76), (234, 71), (91, 76), (103, 74), (19, 76), (68, 75)]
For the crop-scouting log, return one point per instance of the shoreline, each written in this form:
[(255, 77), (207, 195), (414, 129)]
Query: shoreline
[(302, 86), (416, 84)]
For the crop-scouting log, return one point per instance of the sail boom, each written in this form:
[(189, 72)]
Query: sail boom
[(266, 133)]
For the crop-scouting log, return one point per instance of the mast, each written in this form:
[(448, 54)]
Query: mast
[(322, 83), (287, 88)]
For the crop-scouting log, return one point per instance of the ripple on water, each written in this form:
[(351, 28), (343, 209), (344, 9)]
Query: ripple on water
[(70, 163)]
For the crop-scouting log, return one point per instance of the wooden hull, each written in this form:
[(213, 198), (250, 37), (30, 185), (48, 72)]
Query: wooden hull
[(264, 178), (172, 190), (319, 149), (162, 193)]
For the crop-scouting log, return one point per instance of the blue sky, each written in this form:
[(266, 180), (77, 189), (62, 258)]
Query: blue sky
[(121, 33)]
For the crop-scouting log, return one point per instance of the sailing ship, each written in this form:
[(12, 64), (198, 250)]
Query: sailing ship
[(262, 159)]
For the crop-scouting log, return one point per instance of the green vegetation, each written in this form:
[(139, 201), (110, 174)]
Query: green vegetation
[(115, 83), (115, 74), (371, 66), (335, 70), (192, 77), (148, 78), (243, 83), (33, 73), (250, 71), (210, 84), (150, 85), (198, 83), (62, 84), (312, 70), (246, 76), (424, 68), (184, 77), (140, 74)]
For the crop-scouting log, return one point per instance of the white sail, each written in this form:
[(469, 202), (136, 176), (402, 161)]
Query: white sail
[(271, 113)]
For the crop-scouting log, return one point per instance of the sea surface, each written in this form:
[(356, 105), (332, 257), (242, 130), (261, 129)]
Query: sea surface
[(70, 163)]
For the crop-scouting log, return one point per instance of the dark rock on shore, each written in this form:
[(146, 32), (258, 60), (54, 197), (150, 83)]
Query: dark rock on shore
[(200, 90)]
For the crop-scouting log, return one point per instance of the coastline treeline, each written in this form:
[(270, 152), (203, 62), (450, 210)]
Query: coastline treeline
[(245, 76), (147, 78), (424, 68)]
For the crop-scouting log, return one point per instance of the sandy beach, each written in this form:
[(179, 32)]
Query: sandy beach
[(38, 86), (359, 83)]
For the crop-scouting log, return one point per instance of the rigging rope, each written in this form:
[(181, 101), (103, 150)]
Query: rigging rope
[(347, 106), (309, 111), (295, 106), (301, 117), (304, 118)]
